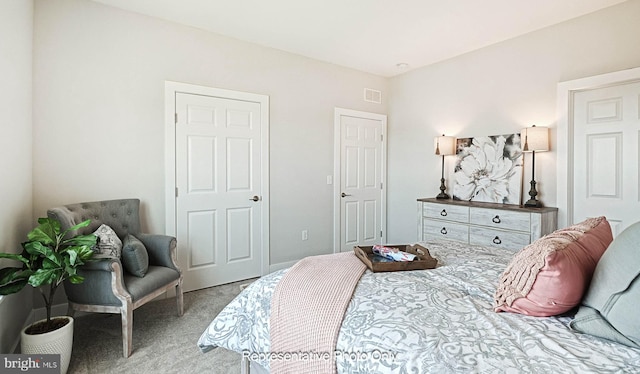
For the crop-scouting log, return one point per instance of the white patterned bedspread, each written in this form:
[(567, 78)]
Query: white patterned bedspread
[(431, 321)]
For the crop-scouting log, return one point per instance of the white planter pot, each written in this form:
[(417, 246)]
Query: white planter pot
[(59, 342)]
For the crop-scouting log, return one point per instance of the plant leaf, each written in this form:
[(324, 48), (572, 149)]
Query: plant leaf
[(51, 222), (76, 279), (80, 225), (13, 280), (48, 264), (11, 274), (89, 240), (73, 255), (13, 287), (85, 253), (47, 258), (14, 256), (76, 227), (45, 276), (36, 248), (46, 232)]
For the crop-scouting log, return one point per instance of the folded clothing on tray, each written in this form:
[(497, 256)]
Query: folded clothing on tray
[(392, 253)]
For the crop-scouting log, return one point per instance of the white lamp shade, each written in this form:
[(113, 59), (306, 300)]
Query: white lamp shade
[(535, 139), (444, 145)]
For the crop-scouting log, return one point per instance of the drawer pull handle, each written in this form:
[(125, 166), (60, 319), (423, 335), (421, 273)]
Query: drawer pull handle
[(443, 213), (497, 240), (443, 231), (496, 219)]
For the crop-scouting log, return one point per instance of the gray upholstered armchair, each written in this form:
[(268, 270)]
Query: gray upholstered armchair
[(107, 287)]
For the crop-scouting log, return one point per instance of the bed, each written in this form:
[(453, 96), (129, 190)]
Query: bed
[(438, 320)]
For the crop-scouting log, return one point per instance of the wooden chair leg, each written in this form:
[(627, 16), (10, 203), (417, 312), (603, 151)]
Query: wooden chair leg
[(179, 298), (127, 329)]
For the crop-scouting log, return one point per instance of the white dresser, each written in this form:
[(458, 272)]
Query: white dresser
[(487, 224)]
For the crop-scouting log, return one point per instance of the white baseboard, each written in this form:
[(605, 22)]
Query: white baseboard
[(56, 310), (41, 313)]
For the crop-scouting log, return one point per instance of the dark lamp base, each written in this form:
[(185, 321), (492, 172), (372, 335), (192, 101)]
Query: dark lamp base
[(533, 203), (442, 194)]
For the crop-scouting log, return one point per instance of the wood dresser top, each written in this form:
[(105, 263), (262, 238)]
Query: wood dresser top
[(478, 204)]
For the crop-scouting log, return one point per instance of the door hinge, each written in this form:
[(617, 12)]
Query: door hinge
[(381, 137), (176, 191), (381, 186), (175, 118), (381, 233)]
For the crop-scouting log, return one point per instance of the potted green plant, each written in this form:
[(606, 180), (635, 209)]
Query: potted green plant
[(48, 258)]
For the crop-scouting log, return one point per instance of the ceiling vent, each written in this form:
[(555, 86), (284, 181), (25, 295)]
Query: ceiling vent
[(372, 96)]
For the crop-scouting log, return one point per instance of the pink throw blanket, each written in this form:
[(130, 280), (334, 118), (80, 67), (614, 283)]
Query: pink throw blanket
[(307, 309)]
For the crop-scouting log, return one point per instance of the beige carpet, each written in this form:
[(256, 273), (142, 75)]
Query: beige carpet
[(162, 341)]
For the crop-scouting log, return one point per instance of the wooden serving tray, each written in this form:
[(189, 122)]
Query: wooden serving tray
[(423, 260)]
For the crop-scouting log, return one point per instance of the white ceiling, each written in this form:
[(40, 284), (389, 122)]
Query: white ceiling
[(368, 35)]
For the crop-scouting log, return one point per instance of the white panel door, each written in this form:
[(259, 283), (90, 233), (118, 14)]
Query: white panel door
[(218, 203), (360, 178), (606, 164)]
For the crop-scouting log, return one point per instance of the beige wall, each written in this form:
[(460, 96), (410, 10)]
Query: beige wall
[(16, 25), (499, 89), (99, 114)]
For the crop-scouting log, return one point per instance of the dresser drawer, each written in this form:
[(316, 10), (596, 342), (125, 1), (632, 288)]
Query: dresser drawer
[(504, 219), (454, 213), (498, 238), (436, 229)]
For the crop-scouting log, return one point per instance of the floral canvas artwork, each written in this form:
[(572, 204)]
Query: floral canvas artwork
[(489, 169)]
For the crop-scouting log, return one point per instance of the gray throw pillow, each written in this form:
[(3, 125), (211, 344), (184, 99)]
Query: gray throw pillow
[(610, 307), (135, 258), (108, 245)]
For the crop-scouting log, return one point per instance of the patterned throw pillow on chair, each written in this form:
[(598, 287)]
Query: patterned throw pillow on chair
[(109, 245)]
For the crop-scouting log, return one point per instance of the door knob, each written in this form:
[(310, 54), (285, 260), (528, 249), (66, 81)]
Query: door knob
[(344, 194), (255, 198)]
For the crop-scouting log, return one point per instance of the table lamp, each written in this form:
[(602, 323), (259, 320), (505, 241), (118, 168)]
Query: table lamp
[(536, 139), (444, 146)]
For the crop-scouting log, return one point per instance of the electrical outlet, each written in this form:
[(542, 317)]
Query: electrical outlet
[(305, 234)]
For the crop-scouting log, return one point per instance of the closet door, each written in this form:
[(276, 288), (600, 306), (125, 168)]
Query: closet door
[(220, 193), (360, 166), (606, 159)]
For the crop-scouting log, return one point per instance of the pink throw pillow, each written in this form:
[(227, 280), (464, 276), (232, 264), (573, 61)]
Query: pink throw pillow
[(551, 275)]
